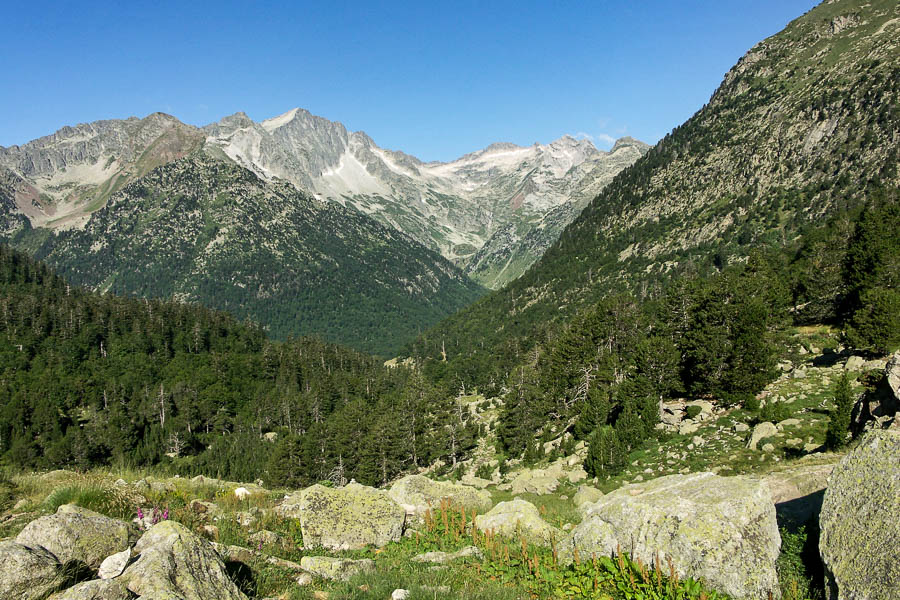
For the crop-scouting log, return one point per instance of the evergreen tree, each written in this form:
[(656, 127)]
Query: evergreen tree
[(839, 421), (594, 413), (606, 455), (872, 275)]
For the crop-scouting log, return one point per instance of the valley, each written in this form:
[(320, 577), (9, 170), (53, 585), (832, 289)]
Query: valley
[(271, 359)]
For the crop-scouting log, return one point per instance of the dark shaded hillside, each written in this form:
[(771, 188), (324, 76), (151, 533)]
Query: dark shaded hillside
[(88, 379), (804, 126), (208, 231)]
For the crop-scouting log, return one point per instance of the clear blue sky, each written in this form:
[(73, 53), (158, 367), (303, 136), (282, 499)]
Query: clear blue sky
[(435, 79)]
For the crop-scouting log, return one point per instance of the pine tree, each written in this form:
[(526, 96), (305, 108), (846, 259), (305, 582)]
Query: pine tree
[(839, 421), (594, 413), (606, 456)]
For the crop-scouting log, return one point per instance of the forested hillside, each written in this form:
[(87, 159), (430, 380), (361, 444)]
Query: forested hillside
[(606, 373), (87, 379), (206, 230), (802, 130)]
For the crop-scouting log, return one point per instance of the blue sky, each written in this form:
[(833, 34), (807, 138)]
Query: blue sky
[(434, 79)]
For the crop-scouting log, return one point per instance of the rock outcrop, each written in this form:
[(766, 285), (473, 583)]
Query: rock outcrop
[(97, 589), (347, 518), (327, 567), (720, 529), (77, 534), (860, 529), (518, 518), (879, 408), (417, 494), (27, 573), (175, 563)]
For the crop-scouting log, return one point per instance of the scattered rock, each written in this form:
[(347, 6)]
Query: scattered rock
[(698, 441), (535, 481), (339, 569), (854, 363), (114, 564), (577, 474), (741, 427), (399, 594), (208, 509), (265, 537), (788, 423), (768, 448), (27, 573), (210, 532), (721, 529), (517, 517), (78, 534), (98, 589), (347, 518), (175, 563), (445, 557), (586, 494), (688, 427), (761, 431), (417, 494), (860, 531)]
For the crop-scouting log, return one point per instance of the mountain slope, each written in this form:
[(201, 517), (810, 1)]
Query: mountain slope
[(455, 208), (206, 230), (63, 177), (804, 124)]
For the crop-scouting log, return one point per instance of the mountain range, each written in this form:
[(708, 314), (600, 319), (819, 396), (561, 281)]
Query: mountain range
[(802, 128), (492, 212)]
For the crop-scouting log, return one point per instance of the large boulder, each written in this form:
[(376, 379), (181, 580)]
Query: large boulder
[(27, 573), (586, 494), (797, 490), (417, 494), (80, 535), (860, 528), (536, 481), (347, 518), (98, 589), (518, 518), (720, 529), (175, 563), (761, 432), (340, 569)]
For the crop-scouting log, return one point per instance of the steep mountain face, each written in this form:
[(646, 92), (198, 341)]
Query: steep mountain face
[(493, 212), (805, 124), (58, 180), (206, 230)]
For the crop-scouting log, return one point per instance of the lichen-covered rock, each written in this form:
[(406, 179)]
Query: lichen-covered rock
[(98, 589), (175, 563), (518, 518), (78, 534), (760, 432), (27, 573), (114, 564), (341, 569), (347, 518), (536, 481), (417, 494), (445, 557), (586, 494), (720, 529), (860, 528)]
